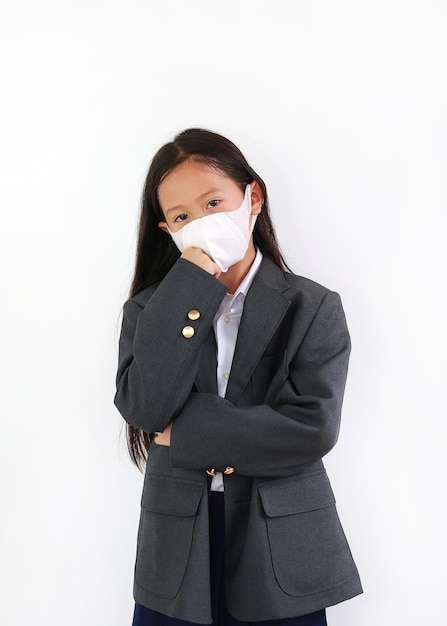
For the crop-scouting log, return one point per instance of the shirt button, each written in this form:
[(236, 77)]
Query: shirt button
[(188, 332), (226, 319), (226, 376)]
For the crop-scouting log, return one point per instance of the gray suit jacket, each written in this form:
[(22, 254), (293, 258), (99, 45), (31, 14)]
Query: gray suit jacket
[(286, 553)]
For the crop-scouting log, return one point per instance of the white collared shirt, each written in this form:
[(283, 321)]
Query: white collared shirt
[(226, 326)]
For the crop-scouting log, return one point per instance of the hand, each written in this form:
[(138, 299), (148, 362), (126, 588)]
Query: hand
[(200, 258), (164, 438)]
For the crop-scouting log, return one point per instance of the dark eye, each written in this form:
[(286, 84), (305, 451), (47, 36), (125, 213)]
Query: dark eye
[(181, 218), (212, 204)]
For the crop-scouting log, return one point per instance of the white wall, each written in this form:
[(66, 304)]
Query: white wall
[(341, 107)]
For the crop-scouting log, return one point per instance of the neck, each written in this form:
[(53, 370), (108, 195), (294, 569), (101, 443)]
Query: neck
[(237, 272)]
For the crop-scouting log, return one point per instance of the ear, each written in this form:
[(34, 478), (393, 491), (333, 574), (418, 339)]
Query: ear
[(164, 227), (257, 198)]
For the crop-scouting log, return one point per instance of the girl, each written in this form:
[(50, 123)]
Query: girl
[(232, 369)]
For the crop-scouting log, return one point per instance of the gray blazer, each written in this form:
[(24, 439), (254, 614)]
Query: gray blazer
[(286, 553)]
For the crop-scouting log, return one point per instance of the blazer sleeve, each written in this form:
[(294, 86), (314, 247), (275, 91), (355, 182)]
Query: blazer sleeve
[(157, 363), (300, 426)]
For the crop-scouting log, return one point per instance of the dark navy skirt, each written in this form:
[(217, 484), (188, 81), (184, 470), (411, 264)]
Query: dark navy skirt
[(147, 617)]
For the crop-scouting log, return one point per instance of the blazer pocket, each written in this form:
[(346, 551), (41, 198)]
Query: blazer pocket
[(308, 547), (168, 510)]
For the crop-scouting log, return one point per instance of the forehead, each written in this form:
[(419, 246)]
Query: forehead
[(189, 180)]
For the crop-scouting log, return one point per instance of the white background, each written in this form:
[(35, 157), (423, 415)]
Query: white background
[(341, 108)]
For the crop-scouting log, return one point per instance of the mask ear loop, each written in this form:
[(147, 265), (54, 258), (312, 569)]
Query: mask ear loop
[(253, 217)]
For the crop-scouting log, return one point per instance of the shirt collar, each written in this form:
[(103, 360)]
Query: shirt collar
[(248, 279), (235, 301)]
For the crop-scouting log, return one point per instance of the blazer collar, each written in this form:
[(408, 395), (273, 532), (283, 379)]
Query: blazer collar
[(264, 308)]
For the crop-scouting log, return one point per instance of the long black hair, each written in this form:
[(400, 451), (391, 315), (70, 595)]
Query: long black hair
[(157, 253)]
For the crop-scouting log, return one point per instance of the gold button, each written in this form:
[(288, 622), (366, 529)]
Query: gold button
[(211, 472), (188, 332), (193, 314), (229, 470)]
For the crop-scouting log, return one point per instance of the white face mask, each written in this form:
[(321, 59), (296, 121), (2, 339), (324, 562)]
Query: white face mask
[(223, 236)]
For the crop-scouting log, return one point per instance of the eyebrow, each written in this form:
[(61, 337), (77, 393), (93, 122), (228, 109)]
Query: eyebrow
[(202, 195)]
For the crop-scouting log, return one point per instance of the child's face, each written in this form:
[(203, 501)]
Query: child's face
[(193, 190)]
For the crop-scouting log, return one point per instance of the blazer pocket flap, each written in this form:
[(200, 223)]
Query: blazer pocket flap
[(296, 494), (171, 496)]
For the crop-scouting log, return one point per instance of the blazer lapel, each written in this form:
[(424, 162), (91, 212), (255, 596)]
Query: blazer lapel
[(264, 309)]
